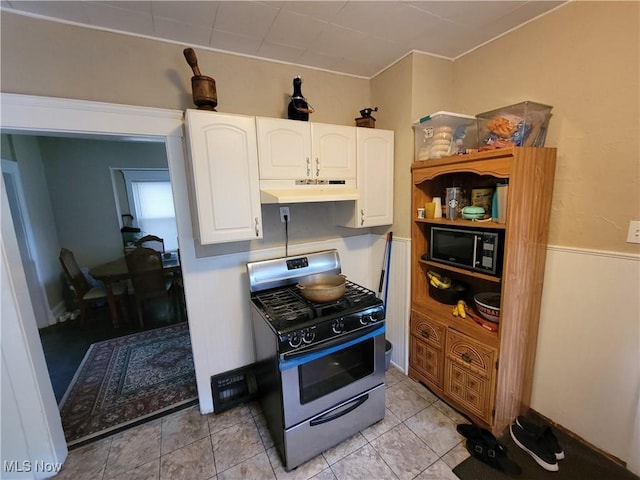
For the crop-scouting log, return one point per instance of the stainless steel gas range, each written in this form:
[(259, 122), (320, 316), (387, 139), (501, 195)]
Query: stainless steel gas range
[(320, 366)]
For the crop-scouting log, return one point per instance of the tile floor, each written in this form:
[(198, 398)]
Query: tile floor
[(417, 439)]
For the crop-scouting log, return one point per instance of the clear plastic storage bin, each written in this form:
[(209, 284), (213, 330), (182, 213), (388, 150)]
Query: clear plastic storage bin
[(520, 125), (444, 133)]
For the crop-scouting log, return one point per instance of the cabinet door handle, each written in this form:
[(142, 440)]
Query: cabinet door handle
[(317, 167), (361, 217), (308, 167), (257, 229), (466, 357), (425, 333)]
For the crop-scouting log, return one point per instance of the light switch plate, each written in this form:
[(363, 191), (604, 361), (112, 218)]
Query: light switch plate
[(634, 232)]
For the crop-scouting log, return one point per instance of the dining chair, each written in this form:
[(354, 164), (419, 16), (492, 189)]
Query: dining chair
[(151, 241), (84, 292), (151, 287)]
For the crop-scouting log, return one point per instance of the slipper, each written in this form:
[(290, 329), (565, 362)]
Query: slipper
[(484, 446), (492, 456), (478, 433)]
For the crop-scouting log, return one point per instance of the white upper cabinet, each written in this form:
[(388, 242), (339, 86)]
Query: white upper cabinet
[(224, 161), (333, 151), (375, 159), (295, 150)]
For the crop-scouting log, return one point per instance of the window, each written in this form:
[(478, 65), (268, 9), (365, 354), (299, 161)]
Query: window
[(151, 204)]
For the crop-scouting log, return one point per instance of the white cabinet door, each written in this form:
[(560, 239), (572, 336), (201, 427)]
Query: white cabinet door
[(224, 162), (375, 157), (284, 149), (295, 150), (333, 150)]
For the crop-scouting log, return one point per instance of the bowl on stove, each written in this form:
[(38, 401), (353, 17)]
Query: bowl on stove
[(488, 305), (322, 287)]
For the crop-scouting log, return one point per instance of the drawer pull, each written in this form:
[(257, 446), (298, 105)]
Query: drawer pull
[(425, 333), (466, 357)]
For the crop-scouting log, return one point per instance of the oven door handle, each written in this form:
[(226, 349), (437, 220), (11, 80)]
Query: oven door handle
[(329, 418), (295, 359)]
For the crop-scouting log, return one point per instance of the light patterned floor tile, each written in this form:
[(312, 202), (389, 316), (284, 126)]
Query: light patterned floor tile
[(387, 423), (416, 430), (194, 461), (438, 471), (393, 376), (86, 463), (435, 429), (404, 402), (456, 455), (229, 418), (182, 428), (350, 445), (263, 429), (325, 475), (254, 468), (421, 390), (450, 412), (404, 452), (363, 464), (148, 471), (235, 444), (133, 448), (302, 472)]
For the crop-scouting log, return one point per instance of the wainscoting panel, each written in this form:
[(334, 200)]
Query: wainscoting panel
[(398, 296), (587, 369)]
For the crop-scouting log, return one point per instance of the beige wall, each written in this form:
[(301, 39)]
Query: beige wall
[(53, 59), (57, 60), (584, 60)]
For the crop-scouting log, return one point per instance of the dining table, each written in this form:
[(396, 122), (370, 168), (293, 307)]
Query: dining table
[(117, 271)]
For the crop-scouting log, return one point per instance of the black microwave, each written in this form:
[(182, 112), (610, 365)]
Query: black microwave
[(475, 250)]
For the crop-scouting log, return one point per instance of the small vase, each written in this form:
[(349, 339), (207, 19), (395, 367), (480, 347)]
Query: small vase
[(437, 212)]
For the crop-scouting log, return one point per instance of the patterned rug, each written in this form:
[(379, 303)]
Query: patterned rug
[(127, 380)]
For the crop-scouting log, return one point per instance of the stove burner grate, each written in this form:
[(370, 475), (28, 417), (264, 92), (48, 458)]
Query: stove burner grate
[(286, 306)]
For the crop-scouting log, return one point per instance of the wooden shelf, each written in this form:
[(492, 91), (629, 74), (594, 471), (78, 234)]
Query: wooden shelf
[(462, 223), (486, 375), (461, 271)]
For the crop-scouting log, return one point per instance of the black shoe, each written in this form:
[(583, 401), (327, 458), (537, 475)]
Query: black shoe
[(535, 447), (482, 445), (545, 433)]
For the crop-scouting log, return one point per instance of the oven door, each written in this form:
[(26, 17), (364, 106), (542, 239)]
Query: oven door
[(315, 381)]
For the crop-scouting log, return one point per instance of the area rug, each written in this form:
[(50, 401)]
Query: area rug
[(580, 463), (127, 380)]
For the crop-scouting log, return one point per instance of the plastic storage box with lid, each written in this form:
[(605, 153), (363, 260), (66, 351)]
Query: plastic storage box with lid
[(444, 133), (521, 125)]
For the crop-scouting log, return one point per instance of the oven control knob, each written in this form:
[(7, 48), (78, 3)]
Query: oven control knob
[(364, 319), (295, 340), (337, 326), (374, 317), (308, 336)]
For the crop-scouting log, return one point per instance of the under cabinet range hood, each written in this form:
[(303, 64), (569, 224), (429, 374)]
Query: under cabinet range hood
[(306, 191)]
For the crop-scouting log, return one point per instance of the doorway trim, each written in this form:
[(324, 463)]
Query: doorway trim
[(39, 424)]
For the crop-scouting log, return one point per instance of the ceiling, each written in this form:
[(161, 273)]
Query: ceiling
[(358, 38)]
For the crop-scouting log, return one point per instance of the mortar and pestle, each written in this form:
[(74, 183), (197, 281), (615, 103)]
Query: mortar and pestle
[(203, 87)]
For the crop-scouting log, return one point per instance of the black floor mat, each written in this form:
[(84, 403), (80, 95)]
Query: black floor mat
[(580, 463)]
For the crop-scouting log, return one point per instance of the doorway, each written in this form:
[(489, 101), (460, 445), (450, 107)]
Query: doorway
[(28, 398), (76, 202)]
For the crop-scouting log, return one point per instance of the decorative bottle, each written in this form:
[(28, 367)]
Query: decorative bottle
[(298, 109)]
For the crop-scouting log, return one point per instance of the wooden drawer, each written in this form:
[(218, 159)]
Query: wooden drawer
[(471, 354), (469, 390), (429, 330), (470, 374), (426, 360)]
